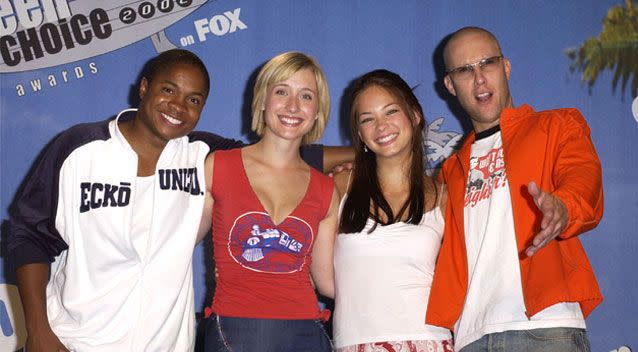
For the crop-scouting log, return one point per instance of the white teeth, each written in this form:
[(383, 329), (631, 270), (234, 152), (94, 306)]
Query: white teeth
[(290, 120), (387, 138), (172, 120), (483, 95)]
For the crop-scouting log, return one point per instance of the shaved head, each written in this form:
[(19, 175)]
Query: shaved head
[(463, 33), (484, 92)]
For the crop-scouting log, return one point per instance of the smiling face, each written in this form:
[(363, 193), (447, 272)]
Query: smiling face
[(171, 103), (291, 106), (385, 125), (485, 93)]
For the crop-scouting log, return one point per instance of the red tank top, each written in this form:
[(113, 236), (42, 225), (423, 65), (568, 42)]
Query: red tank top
[(263, 268)]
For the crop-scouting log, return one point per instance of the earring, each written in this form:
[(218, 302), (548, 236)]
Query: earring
[(365, 148)]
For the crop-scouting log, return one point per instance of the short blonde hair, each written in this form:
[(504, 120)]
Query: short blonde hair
[(280, 68)]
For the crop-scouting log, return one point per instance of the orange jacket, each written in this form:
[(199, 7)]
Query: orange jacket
[(552, 148)]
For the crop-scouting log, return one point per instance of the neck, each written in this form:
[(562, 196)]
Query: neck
[(139, 136), (147, 147), (278, 152), (394, 173)]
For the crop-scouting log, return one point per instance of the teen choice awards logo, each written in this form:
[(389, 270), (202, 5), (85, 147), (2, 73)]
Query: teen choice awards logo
[(35, 35)]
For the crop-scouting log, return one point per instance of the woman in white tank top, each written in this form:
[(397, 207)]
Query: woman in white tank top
[(390, 227)]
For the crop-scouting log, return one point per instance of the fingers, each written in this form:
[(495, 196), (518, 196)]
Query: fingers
[(534, 191), (552, 224), (539, 241), (549, 214), (554, 214), (554, 217), (340, 168)]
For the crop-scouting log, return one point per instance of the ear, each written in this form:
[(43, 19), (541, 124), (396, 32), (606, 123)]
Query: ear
[(143, 87), (508, 68), (417, 118), (447, 81)]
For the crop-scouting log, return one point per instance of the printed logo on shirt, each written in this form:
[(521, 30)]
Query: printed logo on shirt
[(257, 244), (95, 195), (180, 179), (487, 173)]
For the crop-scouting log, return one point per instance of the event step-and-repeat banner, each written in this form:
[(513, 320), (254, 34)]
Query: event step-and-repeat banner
[(71, 61)]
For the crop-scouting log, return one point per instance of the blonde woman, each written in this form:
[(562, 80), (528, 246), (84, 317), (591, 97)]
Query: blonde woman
[(274, 219)]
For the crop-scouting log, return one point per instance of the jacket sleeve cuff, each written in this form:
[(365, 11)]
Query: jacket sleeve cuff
[(27, 253), (581, 217)]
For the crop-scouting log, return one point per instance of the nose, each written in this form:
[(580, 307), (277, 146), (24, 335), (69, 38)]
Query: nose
[(382, 124), (177, 104), (479, 77), (293, 104)]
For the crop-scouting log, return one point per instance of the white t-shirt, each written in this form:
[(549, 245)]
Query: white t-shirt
[(494, 301), (383, 282), (143, 214)]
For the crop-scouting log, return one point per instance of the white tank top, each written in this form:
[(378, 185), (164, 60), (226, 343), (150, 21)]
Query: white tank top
[(383, 282)]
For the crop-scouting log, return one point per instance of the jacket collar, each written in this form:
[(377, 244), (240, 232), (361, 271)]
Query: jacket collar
[(508, 117), (129, 114)]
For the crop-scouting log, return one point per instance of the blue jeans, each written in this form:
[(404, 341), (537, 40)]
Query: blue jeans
[(536, 340), (227, 334)]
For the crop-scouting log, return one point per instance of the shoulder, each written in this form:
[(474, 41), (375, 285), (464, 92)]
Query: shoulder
[(321, 177), (214, 141), (448, 165), (569, 117), (221, 155), (431, 192), (76, 137), (85, 132), (441, 196), (342, 181)]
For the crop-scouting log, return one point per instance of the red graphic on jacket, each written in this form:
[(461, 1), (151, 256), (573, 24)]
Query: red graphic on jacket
[(487, 173)]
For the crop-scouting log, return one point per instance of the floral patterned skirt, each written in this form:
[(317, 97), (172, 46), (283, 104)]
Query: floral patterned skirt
[(401, 346)]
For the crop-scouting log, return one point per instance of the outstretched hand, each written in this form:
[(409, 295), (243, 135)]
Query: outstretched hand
[(554, 218)]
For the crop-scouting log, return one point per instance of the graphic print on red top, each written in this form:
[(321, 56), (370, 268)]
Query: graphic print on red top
[(263, 268), (257, 244), (487, 173)]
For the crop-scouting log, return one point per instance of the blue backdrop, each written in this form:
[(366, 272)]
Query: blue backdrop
[(80, 61)]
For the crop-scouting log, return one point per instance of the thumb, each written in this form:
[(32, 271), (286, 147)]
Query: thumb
[(535, 192)]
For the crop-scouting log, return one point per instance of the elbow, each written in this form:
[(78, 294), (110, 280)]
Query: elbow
[(327, 291)]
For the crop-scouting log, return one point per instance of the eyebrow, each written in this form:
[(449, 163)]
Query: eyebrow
[(176, 85), (275, 85), (382, 108)]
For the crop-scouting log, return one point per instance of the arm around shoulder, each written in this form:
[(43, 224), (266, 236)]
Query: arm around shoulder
[(335, 156)]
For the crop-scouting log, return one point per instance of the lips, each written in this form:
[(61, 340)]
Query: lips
[(172, 120), (483, 97), (387, 139), (289, 121)]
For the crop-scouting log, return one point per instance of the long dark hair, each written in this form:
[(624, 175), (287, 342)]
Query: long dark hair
[(365, 186)]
